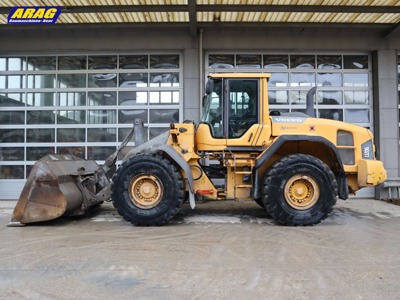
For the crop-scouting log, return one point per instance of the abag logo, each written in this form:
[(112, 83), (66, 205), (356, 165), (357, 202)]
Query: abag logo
[(34, 14)]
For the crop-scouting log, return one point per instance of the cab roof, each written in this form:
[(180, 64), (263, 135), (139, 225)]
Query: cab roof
[(240, 75)]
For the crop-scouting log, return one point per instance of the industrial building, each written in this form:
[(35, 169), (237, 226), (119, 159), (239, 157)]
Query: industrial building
[(76, 86)]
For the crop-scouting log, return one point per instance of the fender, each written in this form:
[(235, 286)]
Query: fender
[(339, 172), (177, 158)]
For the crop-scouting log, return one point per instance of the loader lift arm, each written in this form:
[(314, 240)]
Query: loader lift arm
[(66, 185)]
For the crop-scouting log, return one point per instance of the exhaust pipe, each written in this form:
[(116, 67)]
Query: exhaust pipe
[(310, 102)]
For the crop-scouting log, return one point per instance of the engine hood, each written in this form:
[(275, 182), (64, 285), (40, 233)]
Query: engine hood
[(304, 125)]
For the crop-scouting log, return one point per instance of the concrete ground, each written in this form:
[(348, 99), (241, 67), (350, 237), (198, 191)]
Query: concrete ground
[(218, 251)]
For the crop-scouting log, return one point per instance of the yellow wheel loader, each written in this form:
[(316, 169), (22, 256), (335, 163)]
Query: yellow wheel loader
[(293, 165)]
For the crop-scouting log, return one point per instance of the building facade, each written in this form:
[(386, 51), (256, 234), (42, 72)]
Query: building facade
[(78, 90)]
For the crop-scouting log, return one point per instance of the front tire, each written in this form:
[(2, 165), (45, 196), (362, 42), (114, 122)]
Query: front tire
[(299, 189), (260, 202), (147, 190)]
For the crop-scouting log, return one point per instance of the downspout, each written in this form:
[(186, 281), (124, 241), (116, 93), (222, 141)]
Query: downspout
[(201, 92)]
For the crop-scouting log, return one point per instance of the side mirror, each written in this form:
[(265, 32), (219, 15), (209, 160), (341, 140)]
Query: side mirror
[(209, 86), (203, 102)]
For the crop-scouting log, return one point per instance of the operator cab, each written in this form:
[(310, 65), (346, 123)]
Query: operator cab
[(230, 106)]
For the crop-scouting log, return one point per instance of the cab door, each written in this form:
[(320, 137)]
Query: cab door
[(234, 115), (210, 134), (243, 112)]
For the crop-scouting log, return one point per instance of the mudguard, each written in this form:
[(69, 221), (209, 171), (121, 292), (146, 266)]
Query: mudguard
[(335, 157)]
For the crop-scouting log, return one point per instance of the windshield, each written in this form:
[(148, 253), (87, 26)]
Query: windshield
[(213, 108)]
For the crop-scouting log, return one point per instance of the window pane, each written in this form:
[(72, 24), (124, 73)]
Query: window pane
[(330, 97), (102, 134), (12, 64), (357, 115), (248, 61), (71, 80), (101, 117), (164, 79), (102, 62), (12, 99), (333, 114), (301, 110), (3, 64), (12, 136), (220, 61), (41, 81), (103, 80), (12, 82), (356, 97), (132, 98), (277, 112), (133, 62), (42, 63), (77, 151), (129, 115), (40, 136), (11, 172), (12, 117), (298, 97), (40, 117), (71, 99), (356, 80), (70, 135), (123, 133), (355, 61), (71, 117), (154, 132), (278, 97), (276, 62), (329, 61), (164, 115), (28, 170), (12, 153), (36, 153), (167, 97), (133, 79), (100, 153), (40, 99), (302, 61), (279, 79), (329, 79), (72, 62), (164, 61), (302, 79), (102, 98)]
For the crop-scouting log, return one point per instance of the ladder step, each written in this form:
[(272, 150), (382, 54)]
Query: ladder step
[(244, 172), (243, 186), (221, 195)]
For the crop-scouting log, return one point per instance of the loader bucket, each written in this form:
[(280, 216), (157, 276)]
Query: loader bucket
[(57, 185)]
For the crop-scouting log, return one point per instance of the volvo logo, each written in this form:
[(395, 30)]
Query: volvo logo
[(288, 120)]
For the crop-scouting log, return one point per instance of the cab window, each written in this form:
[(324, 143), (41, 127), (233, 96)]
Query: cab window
[(243, 106)]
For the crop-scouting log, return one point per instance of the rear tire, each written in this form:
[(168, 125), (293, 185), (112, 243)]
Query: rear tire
[(147, 190), (299, 189)]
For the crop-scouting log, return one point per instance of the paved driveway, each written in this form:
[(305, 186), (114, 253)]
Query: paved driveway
[(218, 251)]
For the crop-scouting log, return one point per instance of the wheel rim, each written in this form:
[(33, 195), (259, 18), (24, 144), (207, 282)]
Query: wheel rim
[(301, 192), (145, 191)]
